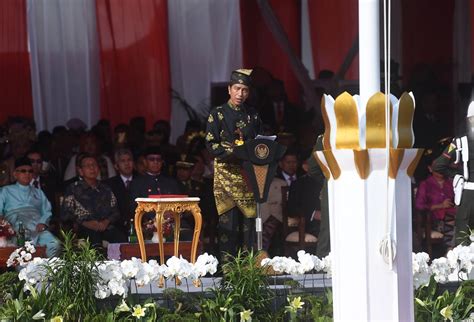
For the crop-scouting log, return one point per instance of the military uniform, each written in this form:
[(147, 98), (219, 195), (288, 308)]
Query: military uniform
[(227, 125), (447, 165), (324, 242)]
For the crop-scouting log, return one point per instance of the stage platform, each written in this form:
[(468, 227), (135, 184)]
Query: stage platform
[(309, 283)]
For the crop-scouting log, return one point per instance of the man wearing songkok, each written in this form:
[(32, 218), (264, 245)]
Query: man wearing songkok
[(20, 202), (153, 182), (457, 161), (230, 125)]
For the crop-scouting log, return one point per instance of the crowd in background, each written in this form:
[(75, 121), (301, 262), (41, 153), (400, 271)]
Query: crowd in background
[(117, 162)]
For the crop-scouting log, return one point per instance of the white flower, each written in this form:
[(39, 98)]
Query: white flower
[(102, 291), (39, 315), (145, 274), (294, 305), (246, 315), (130, 267), (265, 262), (118, 287), (440, 269), (123, 307), (327, 264), (34, 272), (421, 269), (30, 247), (204, 264), (447, 312), (138, 311), (179, 267), (305, 260)]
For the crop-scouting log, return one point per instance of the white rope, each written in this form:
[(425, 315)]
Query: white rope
[(387, 246)]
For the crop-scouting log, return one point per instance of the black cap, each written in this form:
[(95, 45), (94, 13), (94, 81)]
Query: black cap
[(22, 161), (152, 150), (186, 162), (241, 76)]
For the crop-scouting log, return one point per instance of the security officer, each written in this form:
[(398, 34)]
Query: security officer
[(458, 161), (153, 182), (228, 126)]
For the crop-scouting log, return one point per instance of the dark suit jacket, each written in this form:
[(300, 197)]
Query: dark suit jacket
[(123, 198), (144, 185), (50, 188), (280, 175), (289, 122)]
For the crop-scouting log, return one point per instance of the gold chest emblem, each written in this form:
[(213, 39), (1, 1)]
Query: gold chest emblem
[(262, 151)]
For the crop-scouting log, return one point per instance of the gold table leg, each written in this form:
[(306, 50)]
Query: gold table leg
[(138, 228), (197, 231)]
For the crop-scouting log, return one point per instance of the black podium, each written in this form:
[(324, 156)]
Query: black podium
[(260, 157)]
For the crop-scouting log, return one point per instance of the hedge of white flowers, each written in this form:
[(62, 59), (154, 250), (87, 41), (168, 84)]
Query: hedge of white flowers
[(115, 276)]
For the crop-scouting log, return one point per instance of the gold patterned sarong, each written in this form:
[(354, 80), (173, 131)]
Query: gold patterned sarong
[(230, 190)]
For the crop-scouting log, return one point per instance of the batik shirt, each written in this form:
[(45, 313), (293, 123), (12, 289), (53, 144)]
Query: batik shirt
[(83, 202), (223, 126)]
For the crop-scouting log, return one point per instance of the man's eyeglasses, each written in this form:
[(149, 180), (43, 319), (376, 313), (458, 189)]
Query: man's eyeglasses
[(39, 161), (24, 170), (154, 159)]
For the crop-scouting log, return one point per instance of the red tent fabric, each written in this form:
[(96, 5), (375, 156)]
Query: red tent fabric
[(135, 74), (15, 74), (261, 49), (428, 37), (334, 27)]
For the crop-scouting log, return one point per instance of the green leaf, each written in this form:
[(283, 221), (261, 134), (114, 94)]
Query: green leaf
[(420, 302)]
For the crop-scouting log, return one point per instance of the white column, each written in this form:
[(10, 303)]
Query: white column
[(365, 287), (369, 49)]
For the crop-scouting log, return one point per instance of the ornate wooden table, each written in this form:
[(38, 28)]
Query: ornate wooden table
[(175, 206)]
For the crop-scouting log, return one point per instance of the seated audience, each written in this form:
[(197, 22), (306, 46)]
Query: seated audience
[(42, 178), (91, 205), (153, 182), (272, 216), (120, 185), (288, 167), (20, 202), (88, 143), (184, 175), (304, 200), (435, 195)]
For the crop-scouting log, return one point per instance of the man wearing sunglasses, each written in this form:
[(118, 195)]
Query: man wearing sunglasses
[(20, 202), (44, 180), (153, 182)]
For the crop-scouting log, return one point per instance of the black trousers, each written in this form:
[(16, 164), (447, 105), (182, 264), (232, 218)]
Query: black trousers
[(112, 234), (235, 232)]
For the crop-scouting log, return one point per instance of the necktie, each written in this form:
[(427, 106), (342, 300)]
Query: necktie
[(36, 184), (292, 179), (127, 184)]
